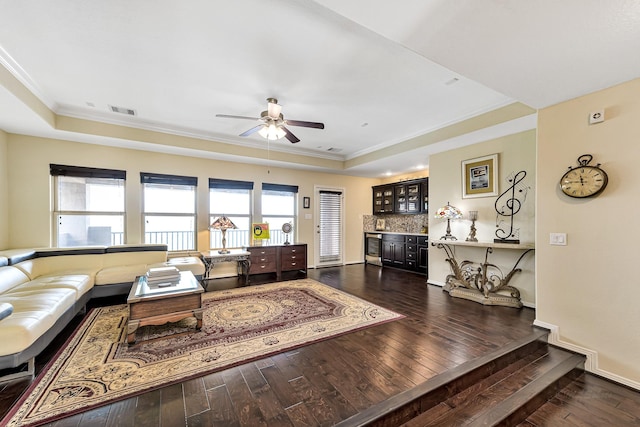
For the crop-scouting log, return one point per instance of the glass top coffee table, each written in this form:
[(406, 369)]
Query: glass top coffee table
[(163, 303)]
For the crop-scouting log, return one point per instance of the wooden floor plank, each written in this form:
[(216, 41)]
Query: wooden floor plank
[(246, 410), (195, 397), (147, 412), (172, 408)]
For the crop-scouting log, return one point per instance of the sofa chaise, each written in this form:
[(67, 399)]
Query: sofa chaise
[(41, 290)]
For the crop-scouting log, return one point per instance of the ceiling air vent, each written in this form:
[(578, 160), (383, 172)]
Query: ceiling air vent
[(122, 110), (334, 150)]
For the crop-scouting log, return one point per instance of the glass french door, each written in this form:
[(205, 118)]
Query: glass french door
[(329, 227)]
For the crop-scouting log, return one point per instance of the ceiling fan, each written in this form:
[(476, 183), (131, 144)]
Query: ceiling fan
[(272, 124)]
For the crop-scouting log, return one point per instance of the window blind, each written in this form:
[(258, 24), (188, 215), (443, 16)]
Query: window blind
[(330, 226), (84, 172), (230, 184), (156, 178)]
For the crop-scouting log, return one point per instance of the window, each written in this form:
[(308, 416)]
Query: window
[(169, 212), (88, 206), (233, 200), (278, 207)]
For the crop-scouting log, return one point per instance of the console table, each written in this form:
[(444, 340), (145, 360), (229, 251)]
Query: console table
[(482, 282), (240, 256)]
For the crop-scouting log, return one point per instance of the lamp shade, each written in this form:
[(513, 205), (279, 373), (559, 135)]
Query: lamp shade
[(448, 212), (223, 223), (271, 132)]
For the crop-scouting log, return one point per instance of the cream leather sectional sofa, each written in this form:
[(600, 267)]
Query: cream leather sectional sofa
[(41, 290)]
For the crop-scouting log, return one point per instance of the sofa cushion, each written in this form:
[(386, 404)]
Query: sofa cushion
[(120, 274), (119, 259), (5, 310), (34, 313), (80, 283), (11, 277), (61, 264)]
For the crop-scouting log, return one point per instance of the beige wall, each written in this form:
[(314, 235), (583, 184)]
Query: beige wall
[(515, 153), (589, 289), (29, 201), (4, 192)]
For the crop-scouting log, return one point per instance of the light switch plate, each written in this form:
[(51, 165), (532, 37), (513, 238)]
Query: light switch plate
[(558, 239)]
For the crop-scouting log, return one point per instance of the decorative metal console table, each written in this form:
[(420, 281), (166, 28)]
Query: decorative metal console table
[(241, 257), (483, 282)]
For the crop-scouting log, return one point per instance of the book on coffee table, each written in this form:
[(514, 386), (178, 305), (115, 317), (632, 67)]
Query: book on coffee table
[(163, 276)]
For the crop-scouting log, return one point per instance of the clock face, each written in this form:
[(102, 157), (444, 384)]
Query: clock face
[(583, 181)]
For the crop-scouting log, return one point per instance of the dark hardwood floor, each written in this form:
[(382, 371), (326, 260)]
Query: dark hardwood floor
[(330, 381)]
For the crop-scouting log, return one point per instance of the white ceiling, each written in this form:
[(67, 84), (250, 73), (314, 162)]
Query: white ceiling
[(376, 73)]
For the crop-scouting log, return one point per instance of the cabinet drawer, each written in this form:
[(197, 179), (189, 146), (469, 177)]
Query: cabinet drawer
[(393, 238), (423, 241), (262, 252), (411, 255), (412, 239), (263, 267), (292, 250), (412, 248), (262, 259), (294, 264)]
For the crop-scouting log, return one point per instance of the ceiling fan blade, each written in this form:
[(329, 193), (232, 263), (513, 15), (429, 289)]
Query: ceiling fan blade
[(291, 137), (305, 124), (227, 116), (252, 130)]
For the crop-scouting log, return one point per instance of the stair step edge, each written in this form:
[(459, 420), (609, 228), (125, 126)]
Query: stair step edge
[(396, 402), (500, 414)]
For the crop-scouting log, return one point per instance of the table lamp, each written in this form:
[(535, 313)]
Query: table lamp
[(223, 224), (449, 212)]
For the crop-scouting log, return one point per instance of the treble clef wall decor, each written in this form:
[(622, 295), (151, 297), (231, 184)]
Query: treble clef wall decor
[(507, 205)]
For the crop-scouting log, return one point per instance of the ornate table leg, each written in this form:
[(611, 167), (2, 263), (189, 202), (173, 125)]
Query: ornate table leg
[(197, 313), (132, 327), (244, 266)]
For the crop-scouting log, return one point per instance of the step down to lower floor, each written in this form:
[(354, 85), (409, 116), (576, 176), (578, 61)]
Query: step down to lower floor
[(501, 388)]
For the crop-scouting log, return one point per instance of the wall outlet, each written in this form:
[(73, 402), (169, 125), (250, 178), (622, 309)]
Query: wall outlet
[(558, 239), (596, 117)]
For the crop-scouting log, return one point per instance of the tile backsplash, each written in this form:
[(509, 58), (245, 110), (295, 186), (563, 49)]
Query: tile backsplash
[(397, 223)]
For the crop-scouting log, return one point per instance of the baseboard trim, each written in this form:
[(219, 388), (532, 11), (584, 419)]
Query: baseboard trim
[(591, 364)]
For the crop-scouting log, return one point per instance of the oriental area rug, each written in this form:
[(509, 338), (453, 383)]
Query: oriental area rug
[(96, 366)]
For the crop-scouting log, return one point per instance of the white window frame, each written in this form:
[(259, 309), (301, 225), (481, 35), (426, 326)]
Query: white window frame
[(276, 235), (222, 184), (155, 179), (57, 171)]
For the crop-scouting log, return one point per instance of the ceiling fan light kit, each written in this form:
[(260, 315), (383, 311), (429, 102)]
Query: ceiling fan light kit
[(271, 132), (272, 125)]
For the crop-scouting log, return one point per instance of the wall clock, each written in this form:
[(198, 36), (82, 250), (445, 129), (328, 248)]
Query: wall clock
[(584, 180)]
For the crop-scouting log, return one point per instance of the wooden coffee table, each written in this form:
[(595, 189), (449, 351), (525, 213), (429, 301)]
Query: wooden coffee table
[(157, 305)]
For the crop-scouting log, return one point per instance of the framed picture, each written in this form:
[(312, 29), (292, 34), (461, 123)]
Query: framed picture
[(380, 224), (260, 231), (480, 177), (306, 202)]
